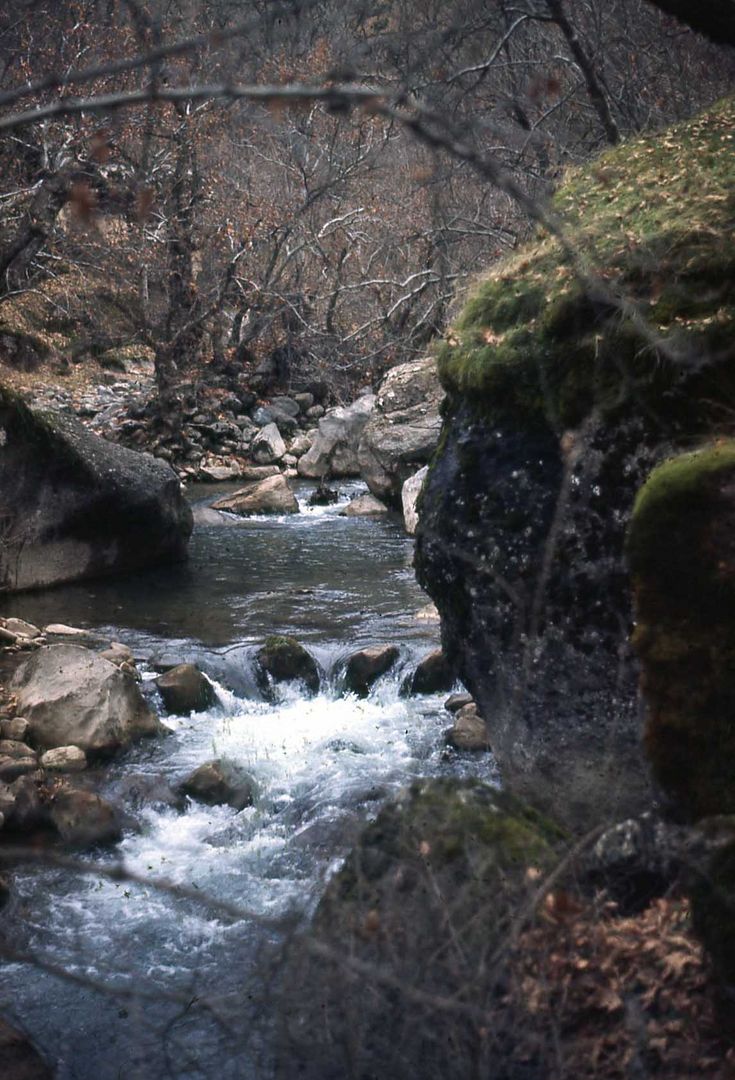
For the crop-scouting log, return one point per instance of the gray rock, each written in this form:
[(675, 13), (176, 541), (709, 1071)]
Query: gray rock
[(118, 654), (334, 450), (270, 496), (268, 445), (141, 790), (16, 758), (363, 668), (300, 445), (19, 1058), (221, 782), (21, 628), (304, 401), (457, 701), (64, 759), (83, 818), (364, 506), (409, 498), (71, 696), (286, 405), (78, 506), (186, 689), (16, 728), (315, 412), (403, 431), (217, 474), (468, 731)]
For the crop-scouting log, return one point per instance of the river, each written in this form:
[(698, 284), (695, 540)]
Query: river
[(195, 986)]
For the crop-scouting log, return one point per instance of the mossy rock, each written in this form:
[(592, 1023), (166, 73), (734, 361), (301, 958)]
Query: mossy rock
[(426, 897), (681, 552), (651, 221), (285, 659)]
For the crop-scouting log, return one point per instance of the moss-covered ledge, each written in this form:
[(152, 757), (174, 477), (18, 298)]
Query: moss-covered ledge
[(681, 553), (653, 221)]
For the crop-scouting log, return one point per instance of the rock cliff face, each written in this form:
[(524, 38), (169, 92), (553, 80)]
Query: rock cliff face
[(74, 506), (560, 401)]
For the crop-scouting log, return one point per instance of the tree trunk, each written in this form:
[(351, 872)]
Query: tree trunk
[(33, 231)]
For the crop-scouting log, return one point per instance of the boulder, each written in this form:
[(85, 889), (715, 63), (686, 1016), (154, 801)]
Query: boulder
[(334, 449), (433, 675), (185, 689), (363, 668), (217, 474), (268, 445), (285, 659), (83, 818), (16, 758), (270, 496), (71, 696), (77, 506), (64, 759), (220, 782), (19, 1059), (469, 731), (403, 431), (364, 506), (457, 701), (409, 499)]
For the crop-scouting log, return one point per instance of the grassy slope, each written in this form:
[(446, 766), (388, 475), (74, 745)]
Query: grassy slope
[(655, 220)]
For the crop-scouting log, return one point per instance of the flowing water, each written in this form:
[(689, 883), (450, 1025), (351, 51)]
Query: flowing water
[(191, 983)]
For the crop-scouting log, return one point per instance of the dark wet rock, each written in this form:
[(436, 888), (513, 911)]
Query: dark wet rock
[(221, 783), (469, 731), (285, 659), (186, 689), (324, 496), (70, 696), (79, 506), (30, 806), (433, 675), (455, 702), (270, 496), (83, 818), (15, 728), (141, 790), (363, 668), (19, 1059), (402, 432)]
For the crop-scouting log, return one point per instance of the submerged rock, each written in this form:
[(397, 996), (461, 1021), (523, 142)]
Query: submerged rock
[(79, 506), (363, 668), (186, 689), (221, 782), (273, 495), (83, 818), (285, 659), (70, 696)]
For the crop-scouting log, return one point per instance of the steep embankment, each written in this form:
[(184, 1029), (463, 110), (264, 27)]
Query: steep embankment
[(561, 397)]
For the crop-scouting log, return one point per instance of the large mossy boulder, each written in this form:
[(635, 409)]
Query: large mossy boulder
[(428, 894), (572, 371), (76, 506), (681, 551)]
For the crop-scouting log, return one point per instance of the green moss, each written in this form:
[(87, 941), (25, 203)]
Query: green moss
[(680, 553), (653, 218), (284, 658)]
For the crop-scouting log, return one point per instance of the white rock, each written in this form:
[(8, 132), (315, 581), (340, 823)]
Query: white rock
[(64, 759), (409, 497)]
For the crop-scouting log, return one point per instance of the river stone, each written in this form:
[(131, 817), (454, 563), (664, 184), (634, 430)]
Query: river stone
[(364, 506), (455, 702), (304, 401), (21, 628), (285, 659), (217, 474), (270, 496), (16, 729), (83, 818), (79, 506), (118, 654), (249, 473), (19, 1059), (64, 759), (15, 759), (70, 696), (286, 405), (409, 499), (403, 431), (300, 445), (364, 667), (268, 445), (468, 731), (62, 630), (221, 782), (334, 449), (433, 675), (185, 689)]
